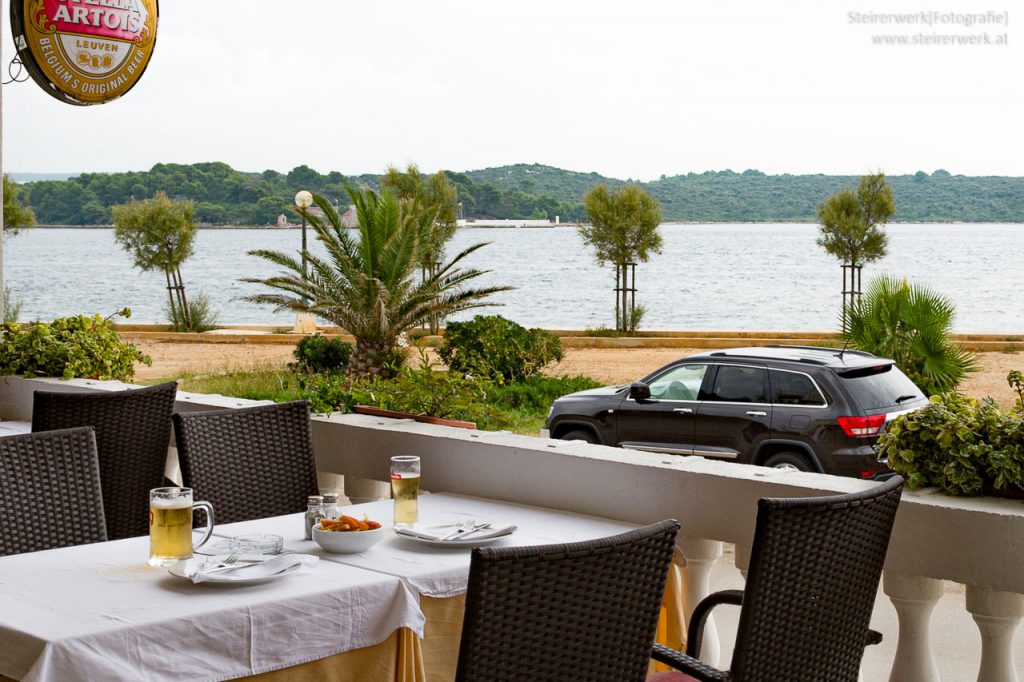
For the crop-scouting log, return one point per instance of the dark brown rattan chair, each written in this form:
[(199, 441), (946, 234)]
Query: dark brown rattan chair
[(578, 611), (133, 432), (250, 463), (811, 585), (50, 493)]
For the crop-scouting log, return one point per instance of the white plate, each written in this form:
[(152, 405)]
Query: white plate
[(186, 569), (469, 542)]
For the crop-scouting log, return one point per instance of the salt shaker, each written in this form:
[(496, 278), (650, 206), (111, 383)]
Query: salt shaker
[(331, 510), (313, 514)]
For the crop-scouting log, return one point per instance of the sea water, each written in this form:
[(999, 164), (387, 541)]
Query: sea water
[(707, 277)]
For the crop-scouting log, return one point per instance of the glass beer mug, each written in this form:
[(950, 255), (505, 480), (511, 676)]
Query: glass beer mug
[(170, 525), (405, 487)]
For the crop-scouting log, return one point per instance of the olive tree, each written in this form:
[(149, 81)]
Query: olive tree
[(159, 233), (433, 198), (623, 229), (15, 217), (851, 230)]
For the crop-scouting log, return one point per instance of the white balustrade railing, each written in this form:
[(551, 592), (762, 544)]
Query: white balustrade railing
[(977, 542)]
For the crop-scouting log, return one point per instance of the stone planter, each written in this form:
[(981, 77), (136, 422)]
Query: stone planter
[(440, 421)]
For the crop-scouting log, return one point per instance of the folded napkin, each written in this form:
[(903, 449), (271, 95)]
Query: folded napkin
[(262, 569), (438, 532)]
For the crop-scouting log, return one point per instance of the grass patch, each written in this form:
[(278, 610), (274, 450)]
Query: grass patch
[(519, 407), (260, 384)]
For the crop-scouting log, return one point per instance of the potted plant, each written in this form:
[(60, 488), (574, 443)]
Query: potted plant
[(960, 445)]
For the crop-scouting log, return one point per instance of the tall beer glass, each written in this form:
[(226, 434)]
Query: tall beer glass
[(170, 525), (405, 487)]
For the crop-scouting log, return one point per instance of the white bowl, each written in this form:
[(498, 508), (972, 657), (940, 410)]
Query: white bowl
[(347, 542)]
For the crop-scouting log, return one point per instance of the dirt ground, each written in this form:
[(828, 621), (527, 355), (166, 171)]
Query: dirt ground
[(607, 365)]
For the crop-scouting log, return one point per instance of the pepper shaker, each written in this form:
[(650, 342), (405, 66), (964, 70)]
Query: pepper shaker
[(313, 514)]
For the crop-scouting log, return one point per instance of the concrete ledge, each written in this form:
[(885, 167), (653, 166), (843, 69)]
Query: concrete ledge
[(271, 334), (978, 541)]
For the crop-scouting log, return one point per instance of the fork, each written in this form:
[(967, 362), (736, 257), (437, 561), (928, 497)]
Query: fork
[(227, 563), (466, 526)]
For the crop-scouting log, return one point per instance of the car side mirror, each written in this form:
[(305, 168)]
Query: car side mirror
[(639, 391)]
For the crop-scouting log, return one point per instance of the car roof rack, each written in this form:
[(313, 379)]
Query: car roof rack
[(808, 355)]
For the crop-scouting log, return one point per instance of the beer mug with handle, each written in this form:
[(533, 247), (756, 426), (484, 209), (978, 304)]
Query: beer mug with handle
[(170, 525)]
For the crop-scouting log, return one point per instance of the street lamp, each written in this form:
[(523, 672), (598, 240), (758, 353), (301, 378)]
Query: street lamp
[(303, 200), (304, 322)]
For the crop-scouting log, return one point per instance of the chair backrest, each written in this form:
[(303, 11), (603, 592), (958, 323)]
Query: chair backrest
[(578, 611), (250, 462), (814, 569), (133, 432), (50, 492)]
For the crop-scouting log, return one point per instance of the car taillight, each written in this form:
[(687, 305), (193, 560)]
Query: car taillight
[(862, 426)]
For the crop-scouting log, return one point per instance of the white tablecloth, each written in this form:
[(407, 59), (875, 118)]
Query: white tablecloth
[(98, 612), (443, 572)]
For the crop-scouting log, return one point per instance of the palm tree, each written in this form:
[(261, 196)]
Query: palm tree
[(911, 324), (368, 285)]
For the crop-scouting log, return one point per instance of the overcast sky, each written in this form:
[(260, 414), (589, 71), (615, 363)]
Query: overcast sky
[(632, 88)]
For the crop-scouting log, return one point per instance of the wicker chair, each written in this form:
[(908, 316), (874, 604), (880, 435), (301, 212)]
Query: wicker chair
[(50, 493), (578, 611), (133, 432), (250, 463), (811, 584)]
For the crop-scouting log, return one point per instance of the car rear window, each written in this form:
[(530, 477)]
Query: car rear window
[(880, 388)]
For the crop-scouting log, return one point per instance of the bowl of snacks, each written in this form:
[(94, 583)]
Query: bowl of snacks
[(347, 535)]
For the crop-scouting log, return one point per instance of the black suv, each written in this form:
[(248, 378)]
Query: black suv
[(808, 408)]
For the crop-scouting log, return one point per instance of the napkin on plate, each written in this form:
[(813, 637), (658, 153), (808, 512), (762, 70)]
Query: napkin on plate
[(438, 532), (262, 569)]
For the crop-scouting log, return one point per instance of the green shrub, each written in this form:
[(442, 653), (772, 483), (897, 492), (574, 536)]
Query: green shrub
[(957, 444), (499, 349), (535, 394), (1016, 381), (417, 390), (319, 354), (202, 318), (12, 306), (912, 325), (69, 347)]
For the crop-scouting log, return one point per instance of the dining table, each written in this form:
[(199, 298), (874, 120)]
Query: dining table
[(392, 612)]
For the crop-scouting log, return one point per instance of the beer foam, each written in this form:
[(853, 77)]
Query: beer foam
[(170, 503)]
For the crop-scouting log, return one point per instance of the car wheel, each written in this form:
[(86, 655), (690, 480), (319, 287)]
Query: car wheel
[(580, 434), (789, 460)]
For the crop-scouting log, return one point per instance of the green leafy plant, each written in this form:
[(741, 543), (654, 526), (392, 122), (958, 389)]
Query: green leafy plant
[(958, 444), (535, 394), (11, 306), (1016, 381), (911, 324), (69, 347), (201, 317), (320, 354), (497, 348), (420, 389)]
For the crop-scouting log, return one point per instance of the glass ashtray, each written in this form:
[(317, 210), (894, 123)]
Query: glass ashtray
[(257, 543)]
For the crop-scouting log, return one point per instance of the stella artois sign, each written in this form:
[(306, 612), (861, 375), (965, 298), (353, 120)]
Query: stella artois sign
[(85, 51)]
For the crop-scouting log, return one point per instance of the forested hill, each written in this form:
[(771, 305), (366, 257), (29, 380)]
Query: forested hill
[(226, 196), (752, 196)]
